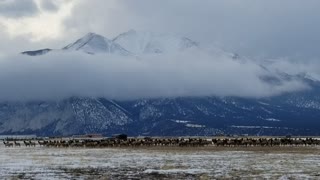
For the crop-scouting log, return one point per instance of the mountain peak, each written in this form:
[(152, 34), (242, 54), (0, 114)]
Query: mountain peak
[(89, 36), (92, 34), (93, 43)]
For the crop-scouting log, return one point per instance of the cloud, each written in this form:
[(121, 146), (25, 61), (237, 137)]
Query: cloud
[(60, 75), (49, 5), (18, 8), (309, 68), (41, 26), (254, 28)]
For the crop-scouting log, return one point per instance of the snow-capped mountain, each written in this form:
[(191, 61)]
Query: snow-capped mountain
[(93, 43), (128, 43), (294, 113), (150, 43)]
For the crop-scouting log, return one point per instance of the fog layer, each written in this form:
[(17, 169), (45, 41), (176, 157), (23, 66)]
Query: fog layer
[(193, 73)]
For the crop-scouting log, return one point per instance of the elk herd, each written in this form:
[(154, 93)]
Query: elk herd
[(17, 144), (170, 142)]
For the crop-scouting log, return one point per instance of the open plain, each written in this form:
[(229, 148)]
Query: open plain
[(209, 162)]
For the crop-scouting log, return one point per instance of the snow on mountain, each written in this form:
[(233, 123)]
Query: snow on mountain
[(93, 43), (164, 116), (70, 116), (135, 43), (299, 111), (150, 43)]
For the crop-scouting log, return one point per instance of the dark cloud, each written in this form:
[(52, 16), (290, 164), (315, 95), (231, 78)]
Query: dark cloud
[(18, 8)]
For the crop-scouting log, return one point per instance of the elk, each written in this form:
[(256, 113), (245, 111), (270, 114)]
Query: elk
[(32, 144), (26, 143), (8, 144), (42, 143), (17, 144)]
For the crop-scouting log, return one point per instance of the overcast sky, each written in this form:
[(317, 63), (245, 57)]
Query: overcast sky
[(282, 31), (257, 28)]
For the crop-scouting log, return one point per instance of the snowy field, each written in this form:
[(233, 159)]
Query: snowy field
[(160, 163)]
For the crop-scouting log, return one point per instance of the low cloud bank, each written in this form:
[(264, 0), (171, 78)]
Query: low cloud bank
[(60, 75)]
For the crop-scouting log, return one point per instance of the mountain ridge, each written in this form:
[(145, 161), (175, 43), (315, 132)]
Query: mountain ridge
[(93, 43)]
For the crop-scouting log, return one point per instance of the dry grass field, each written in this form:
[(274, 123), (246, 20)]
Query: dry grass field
[(160, 163)]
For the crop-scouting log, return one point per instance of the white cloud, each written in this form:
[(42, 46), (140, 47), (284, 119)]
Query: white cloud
[(42, 26), (60, 75), (255, 27), (270, 28)]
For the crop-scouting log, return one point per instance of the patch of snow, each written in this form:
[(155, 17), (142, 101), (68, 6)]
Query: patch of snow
[(263, 103), (255, 127), (176, 171), (195, 125), (121, 163), (272, 119), (180, 121), (266, 110)]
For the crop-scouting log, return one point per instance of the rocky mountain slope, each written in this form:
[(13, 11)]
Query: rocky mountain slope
[(292, 114)]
